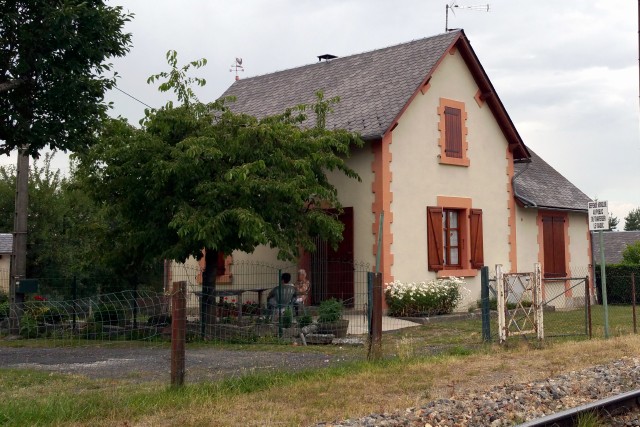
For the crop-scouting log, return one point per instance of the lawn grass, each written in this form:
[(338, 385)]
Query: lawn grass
[(353, 389)]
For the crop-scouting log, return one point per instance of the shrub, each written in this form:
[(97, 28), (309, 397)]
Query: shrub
[(619, 283), (4, 310), (330, 311), (305, 320), (287, 318), (107, 314), (28, 326), (439, 296)]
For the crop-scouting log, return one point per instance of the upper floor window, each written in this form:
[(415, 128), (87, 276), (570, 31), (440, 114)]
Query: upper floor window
[(453, 133)]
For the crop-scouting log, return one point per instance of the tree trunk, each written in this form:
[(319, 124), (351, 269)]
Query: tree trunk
[(19, 254), (208, 300)]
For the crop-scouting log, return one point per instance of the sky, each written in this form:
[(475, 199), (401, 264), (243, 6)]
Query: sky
[(566, 71)]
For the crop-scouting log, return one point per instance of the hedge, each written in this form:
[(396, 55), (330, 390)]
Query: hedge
[(619, 283)]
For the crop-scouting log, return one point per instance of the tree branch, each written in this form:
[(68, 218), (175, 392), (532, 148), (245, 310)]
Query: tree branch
[(11, 84)]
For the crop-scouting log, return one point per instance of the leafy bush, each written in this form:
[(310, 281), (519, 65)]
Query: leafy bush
[(4, 310), (107, 314), (439, 296), (28, 326), (3, 297), (305, 320), (619, 283), (287, 318), (53, 314), (330, 311)]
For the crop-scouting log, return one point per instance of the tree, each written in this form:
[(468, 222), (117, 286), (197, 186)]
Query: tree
[(632, 220), (206, 177), (52, 87), (631, 254), (52, 71), (613, 223), (69, 236)]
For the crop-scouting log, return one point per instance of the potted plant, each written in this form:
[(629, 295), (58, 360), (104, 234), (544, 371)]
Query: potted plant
[(330, 319)]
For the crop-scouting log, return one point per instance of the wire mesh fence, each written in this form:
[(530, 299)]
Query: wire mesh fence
[(249, 303)]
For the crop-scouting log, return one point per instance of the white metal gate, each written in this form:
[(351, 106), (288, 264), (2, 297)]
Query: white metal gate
[(523, 291)]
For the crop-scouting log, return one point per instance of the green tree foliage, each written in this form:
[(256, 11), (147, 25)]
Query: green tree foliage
[(200, 176), (69, 236), (613, 223), (52, 71), (632, 220), (631, 254)]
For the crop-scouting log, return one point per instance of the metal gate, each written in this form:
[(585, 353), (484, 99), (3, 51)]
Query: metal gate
[(519, 303)]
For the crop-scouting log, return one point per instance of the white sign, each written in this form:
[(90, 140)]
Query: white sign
[(598, 215)]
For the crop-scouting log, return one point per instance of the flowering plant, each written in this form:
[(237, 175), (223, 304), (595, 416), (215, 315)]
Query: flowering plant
[(439, 296)]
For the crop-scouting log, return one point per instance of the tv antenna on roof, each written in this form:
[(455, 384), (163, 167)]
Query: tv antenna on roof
[(237, 67), (480, 8)]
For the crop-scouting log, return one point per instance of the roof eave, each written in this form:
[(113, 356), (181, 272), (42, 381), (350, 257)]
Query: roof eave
[(490, 96)]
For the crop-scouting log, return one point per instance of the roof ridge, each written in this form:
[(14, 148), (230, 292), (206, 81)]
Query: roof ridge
[(341, 58)]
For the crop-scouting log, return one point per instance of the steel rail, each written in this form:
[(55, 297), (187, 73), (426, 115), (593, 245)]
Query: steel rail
[(605, 407)]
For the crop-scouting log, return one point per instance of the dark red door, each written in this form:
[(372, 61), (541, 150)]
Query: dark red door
[(340, 263), (332, 271)]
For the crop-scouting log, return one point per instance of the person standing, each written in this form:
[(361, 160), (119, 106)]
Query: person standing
[(303, 288)]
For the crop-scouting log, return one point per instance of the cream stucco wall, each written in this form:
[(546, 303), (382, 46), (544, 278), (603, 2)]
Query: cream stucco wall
[(358, 194), (579, 244), (5, 265), (419, 178), (527, 238)]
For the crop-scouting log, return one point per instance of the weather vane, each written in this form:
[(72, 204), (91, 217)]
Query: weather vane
[(481, 8), (237, 67)]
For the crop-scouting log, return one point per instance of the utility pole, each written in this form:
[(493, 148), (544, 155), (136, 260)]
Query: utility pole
[(19, 253)]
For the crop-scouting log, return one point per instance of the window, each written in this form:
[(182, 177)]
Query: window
[(453, 133), (554, 245), (450, 238), (454, 239)]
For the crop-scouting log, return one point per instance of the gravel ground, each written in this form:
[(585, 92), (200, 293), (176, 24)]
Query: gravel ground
[(516, 403), (153, 364)]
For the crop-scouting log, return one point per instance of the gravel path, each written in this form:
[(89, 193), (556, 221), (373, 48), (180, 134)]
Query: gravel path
[(153, 364), (516, 403)]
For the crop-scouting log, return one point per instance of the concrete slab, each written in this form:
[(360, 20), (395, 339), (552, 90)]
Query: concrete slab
[(358, 324)]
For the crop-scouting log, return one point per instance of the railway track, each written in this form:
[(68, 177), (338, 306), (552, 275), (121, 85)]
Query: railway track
[(613, 406)]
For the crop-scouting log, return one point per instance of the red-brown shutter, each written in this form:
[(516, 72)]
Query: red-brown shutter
[(453, 132), (221, 263), (554, 250), (475, 229), (434, 239)]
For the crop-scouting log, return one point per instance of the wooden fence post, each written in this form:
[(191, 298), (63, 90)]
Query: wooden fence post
[(178, 332)]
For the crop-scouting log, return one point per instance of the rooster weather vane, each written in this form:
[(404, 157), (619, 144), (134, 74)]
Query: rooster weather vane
[(237, 67)]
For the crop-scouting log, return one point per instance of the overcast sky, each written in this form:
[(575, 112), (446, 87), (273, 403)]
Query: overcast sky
[(566, 71)]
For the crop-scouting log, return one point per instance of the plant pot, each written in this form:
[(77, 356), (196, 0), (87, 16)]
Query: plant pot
[(337, 328)]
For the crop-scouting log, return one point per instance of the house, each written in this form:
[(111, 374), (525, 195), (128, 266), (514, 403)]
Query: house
[(614, 244), (458, 187), (6, 246)]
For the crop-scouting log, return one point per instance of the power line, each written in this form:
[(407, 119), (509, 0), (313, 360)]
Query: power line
[(132, 97)]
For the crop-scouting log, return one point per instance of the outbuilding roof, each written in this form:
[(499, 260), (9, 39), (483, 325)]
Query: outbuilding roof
[(614, 243), (537, 184), (6, 243)]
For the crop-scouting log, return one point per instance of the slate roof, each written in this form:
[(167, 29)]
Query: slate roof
[(542, 186), (373, 86), (615, 242), (6, 243)]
